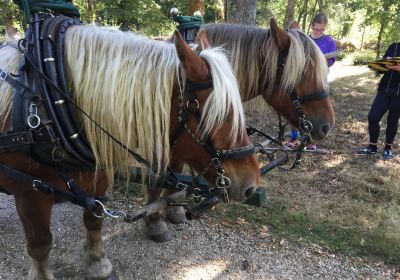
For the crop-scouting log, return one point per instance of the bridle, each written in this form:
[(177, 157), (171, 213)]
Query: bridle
[(305, 126), (189, 105)]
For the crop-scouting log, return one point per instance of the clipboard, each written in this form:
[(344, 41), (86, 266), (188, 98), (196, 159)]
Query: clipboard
[(333, 54), (380, 64)]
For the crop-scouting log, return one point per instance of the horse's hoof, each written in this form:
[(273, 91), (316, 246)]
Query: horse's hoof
[(100, 269), (158, 231), (112, 276), (176, 215)]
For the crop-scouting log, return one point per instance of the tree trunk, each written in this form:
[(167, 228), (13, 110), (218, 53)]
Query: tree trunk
[(196, 5), (11, 30), (362, 39), (378, 44), (303, 15), (322, 6), (241, 11), (289, 12), (225, 10), (94, 17), (313, 14)]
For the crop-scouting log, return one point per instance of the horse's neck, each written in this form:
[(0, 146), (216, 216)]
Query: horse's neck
[(248, 93)]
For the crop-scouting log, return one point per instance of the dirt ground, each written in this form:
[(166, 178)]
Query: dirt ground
[(203, 249)]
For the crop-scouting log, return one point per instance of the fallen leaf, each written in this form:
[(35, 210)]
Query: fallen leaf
[(264, 232), (241, 221)]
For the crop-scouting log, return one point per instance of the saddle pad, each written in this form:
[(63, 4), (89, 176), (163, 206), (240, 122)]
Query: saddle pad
[(380, 65)]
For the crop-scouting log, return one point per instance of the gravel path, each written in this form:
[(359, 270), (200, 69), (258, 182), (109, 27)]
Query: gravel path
[(202, 249)]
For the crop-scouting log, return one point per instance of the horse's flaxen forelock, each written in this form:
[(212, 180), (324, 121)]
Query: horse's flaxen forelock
[(225, 97), (254, 56), (314, 60)]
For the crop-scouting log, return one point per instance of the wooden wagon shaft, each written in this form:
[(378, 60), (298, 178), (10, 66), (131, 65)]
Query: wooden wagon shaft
[(156, 206), (258, 199)]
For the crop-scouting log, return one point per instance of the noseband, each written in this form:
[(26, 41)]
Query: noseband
[(305, 125), (189, 105)]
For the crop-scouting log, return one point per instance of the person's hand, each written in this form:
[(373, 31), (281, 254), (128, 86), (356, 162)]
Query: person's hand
[(395, 67)]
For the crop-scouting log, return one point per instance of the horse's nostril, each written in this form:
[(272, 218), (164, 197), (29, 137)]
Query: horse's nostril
[(249, 192), (325, 129)]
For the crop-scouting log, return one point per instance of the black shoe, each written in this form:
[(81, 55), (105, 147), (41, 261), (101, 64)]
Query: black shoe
[(367, 151), (388, 154)]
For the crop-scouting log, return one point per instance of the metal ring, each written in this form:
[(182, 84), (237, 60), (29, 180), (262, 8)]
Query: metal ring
[(223, 182), (33, 121), (196, 103), (107, 212)]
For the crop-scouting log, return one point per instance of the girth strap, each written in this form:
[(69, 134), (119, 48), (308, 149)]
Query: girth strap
[(76, 196)]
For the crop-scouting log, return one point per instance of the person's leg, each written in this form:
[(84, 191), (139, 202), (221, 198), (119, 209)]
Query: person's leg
[(378, 109), (294, 134), (293, 141), (392, 125)]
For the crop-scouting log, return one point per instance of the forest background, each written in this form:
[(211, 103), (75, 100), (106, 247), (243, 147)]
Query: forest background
[(366, 26)]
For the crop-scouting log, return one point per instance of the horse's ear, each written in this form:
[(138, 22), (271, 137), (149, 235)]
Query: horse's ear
[(280, 36), (294, 25), (196, 69), (202, 40)]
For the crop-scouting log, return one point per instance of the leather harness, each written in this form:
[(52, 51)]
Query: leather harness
[(45, 127)]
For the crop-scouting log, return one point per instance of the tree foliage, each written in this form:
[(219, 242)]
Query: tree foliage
[(379, 20)]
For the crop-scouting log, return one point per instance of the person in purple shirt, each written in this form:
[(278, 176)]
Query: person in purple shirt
[(325, 42)]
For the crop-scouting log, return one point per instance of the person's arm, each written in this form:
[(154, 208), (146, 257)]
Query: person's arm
[(331, 48), (395, 67), (391, 52)]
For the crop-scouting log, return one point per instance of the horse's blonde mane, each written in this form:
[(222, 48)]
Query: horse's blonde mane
[(9, 61), (254, 53), (125, 82), (218, 106)]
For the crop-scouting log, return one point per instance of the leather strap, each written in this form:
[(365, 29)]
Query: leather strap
[(16, 141), (76, 196)]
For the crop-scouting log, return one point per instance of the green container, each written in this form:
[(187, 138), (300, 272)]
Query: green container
[(258, 198)]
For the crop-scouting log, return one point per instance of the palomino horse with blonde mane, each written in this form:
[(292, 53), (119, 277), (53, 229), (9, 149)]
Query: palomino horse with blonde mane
[(286, 68), (135, 89)]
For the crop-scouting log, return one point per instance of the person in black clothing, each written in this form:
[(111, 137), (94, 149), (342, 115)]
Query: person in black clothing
[(387, 99)]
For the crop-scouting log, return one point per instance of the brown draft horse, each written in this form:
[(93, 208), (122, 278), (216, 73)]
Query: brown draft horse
[(279, 66), (133, 87)]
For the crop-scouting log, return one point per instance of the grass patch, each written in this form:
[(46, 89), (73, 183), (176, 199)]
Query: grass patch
[(347, 203), (298, 226)]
